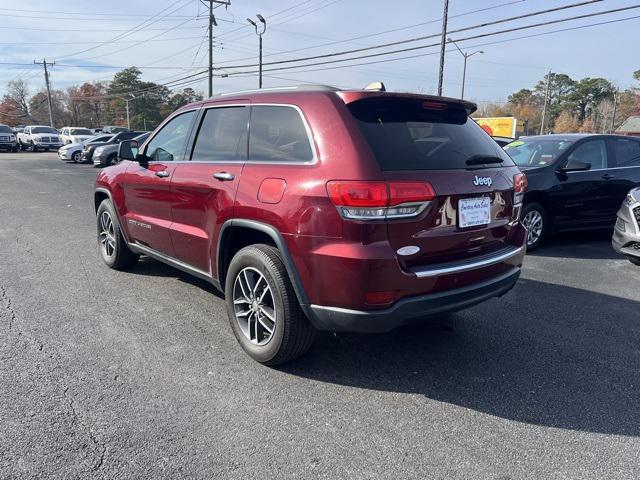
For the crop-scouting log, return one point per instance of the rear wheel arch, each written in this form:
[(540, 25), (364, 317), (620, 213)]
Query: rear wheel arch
[(236, 234)]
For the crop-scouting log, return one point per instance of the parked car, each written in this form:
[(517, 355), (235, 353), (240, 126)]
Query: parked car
[(319, 208), (575, 181), (75, 134), (89, 149), (503, 141), (626, 234), (73, 151), (18, 129), (39, 137), (107, 154), (113, 129), (8, 141)]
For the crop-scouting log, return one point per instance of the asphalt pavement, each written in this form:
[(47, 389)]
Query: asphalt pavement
[(106, 374)]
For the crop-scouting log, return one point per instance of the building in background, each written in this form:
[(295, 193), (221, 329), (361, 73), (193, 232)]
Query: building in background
[(631, 126)]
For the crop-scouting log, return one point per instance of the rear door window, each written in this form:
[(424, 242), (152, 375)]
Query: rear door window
[(414, 134), (222, 136), (278, 134), (627, 152)]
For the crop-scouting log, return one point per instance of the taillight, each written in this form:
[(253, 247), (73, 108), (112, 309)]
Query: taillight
[(519, 187), (358, 200)]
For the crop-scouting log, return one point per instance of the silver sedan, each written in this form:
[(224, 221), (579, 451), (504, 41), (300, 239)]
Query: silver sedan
[(626, 235)]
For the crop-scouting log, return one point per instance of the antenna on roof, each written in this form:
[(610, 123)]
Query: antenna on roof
[(376, 87)]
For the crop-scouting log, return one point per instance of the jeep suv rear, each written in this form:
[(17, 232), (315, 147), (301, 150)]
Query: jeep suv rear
[(314, 208)]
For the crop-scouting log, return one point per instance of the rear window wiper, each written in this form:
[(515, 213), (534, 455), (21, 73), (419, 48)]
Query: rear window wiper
[(481, 159)]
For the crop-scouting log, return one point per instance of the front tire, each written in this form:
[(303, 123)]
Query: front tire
[(634, 260), (111, 244), (263, 309), (111, 160), (534, 219), (77, 157)]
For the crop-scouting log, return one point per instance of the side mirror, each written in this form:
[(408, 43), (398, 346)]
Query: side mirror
[(128, 150), (576, 166)]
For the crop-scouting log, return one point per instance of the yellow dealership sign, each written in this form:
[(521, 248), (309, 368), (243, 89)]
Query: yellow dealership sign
[(499, 126)]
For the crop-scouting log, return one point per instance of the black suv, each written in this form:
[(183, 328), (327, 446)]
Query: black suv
[(87, 152), (575, 181)]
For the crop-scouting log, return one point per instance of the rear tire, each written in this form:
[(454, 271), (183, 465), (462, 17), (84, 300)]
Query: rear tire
[(534, 219), (634, 260), (263, 309), (111, 244)]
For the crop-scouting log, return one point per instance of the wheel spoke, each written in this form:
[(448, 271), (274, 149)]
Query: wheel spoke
[(244, 314), (246, 279), (268, 312), (263, 322), (240, 301), (255, 287)]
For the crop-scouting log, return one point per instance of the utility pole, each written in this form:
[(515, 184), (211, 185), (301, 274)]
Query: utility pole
[(126, 103), (46, 81), (259, 33), (464, 70), (213, 23), (443, 44), (546, 100), (615, 109)]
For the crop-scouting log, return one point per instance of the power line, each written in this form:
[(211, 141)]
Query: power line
[(131, 30), (411, 40), (351, 40), (408, 57)]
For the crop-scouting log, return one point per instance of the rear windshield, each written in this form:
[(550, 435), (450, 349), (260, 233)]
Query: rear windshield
[(43, 130), (413, 134), (537, 151), (81, 131)]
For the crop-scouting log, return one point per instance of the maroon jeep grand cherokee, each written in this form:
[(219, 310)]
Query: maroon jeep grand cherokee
[(314, 208)]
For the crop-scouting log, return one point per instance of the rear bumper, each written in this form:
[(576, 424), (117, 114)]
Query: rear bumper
[(411, 309)]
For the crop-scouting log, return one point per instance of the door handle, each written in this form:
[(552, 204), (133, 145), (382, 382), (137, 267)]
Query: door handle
[(162, 173), (224, 176), (608, 176)]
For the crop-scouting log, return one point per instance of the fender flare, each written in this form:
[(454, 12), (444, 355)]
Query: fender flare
[(276, 236)]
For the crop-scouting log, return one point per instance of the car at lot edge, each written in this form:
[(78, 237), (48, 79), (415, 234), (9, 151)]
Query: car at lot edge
[(115, 138), (626, 233), (8, 141), (39, 137), (73, 151), (75, 134), (107, 154), (575, 181), (297, 204), (113, 129)]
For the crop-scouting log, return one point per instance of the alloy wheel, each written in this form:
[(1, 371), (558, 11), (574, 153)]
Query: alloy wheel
[(76, 157), (107, 236), (254, 306), (533, 222)]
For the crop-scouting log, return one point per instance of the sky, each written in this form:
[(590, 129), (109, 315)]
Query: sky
[(166, 39)]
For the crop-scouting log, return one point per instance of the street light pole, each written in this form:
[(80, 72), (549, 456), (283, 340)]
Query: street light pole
[(464, 69), (259, 33)]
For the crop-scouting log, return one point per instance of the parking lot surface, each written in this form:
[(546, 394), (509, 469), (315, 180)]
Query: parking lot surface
[(106, 374)]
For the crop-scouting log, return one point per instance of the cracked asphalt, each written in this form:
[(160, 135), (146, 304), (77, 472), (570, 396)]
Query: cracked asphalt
[(106, 374)]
